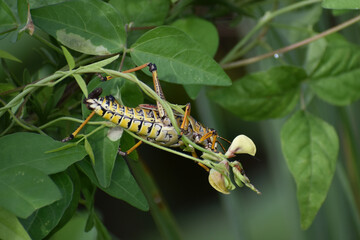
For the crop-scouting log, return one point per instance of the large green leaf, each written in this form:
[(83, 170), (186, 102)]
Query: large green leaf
[(336, 77), (197, 28), (142, 12), (123, 184), (341, 4), (10, 227), (30, 149), (262, 95), (310, 147), (41, 222), (25, 189), (178, 57), (78, 29)]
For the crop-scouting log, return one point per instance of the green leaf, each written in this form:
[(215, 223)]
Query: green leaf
[(26, 189), (105, 152), (142, 12), (197, 28), (314, 53), (22, 10), (42, 3), (72, 172), (341, 4), (192, 90), (7, 18), (336, 77), (10, 227), (75, 230), (69, 59), (81, 82), (131, 94), (6, 55), (310, 146), (100, 64), (123, 185), (79, 29), (33, 152), (179, 58), (40, 223), (262, 95), (13, 16), (89, 151)]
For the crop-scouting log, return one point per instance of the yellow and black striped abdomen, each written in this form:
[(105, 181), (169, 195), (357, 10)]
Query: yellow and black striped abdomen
[(137, 120), (142, 121)]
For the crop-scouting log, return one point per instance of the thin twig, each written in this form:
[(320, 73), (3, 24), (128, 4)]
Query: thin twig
[(291, 47), (268, 16)]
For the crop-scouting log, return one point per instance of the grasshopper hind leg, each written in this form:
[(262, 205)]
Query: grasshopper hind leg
[(94, 94)]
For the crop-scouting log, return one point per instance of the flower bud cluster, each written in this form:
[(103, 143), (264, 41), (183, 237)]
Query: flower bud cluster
[(219, 174)]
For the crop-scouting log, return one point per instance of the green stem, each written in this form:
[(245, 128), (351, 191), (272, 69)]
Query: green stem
[(205, 162), (67, 119), (351, 154), (82, 62), (7, 129), (268, 16), (25, 126), (18, 98), (47, 43), (20, 123), (91, 133), (158, 207), (348, 193)]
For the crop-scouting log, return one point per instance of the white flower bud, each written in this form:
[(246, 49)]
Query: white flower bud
[(241, 144)]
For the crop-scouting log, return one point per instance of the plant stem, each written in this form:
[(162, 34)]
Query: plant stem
[(292, 46), (268, 16), (348, 193), (205, 162), (68, 119), (351, 154), (16, 100), (158, 207), (20, 123), (47, 43)]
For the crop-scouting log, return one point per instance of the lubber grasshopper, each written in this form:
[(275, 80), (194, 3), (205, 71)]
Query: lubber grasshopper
[(151, 122)]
